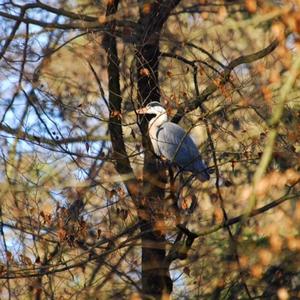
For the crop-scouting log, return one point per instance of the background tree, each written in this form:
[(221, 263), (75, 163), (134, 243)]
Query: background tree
[(87, 210)]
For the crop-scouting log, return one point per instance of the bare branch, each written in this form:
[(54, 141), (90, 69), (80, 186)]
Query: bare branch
[(254, 213), (192, 105)]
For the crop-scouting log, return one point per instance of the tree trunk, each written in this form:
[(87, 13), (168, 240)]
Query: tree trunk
[(156, 281), (155, 278)]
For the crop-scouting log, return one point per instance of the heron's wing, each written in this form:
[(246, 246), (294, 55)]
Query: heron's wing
[(177, 146)]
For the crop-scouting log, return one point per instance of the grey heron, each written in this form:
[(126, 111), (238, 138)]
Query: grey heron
[(173, 143)]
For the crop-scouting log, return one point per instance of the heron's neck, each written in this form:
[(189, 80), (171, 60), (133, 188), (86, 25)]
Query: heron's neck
[(158, 120)]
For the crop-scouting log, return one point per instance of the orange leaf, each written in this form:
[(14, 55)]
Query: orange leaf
[(256, 271), (283, 294), (297, 23), (135, 296), (222, 14), (145, 72), (169, 73), (275, 242), (147, 8), (251, 5), (102, 19), (267, 93), (218, 215), (160, 226), (278, 31), (116, 114), (265, 256), (61, 233)]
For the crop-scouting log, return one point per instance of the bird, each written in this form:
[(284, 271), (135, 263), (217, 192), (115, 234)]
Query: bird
[(172, 143)]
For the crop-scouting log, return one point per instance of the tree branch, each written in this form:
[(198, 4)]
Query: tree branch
[(271, 138), (254, 213), (122, 162), (224, 79), (40, 139), (81, 25)]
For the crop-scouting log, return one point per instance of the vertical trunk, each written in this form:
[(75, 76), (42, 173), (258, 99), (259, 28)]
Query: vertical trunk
[(155, 277), (156, 280)]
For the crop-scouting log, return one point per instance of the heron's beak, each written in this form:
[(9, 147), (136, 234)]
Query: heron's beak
[(142, 110)]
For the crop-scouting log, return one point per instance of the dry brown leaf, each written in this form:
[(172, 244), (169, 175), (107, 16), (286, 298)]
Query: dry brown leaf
[(257, 270), (278, 31), (275, 242), (62, 234), (218, 215), (116, 114), (160, 226), (244, 261), (265, 256), (145, 72), (222, 14), (102, 19), (251, 5), (147, 8), (283, 294), (135, 296), (169, 74)]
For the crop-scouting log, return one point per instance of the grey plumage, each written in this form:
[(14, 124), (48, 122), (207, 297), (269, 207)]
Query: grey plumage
[(177, 146), (171, 142)]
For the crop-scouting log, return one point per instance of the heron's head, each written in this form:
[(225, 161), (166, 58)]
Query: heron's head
[(153, 108)]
